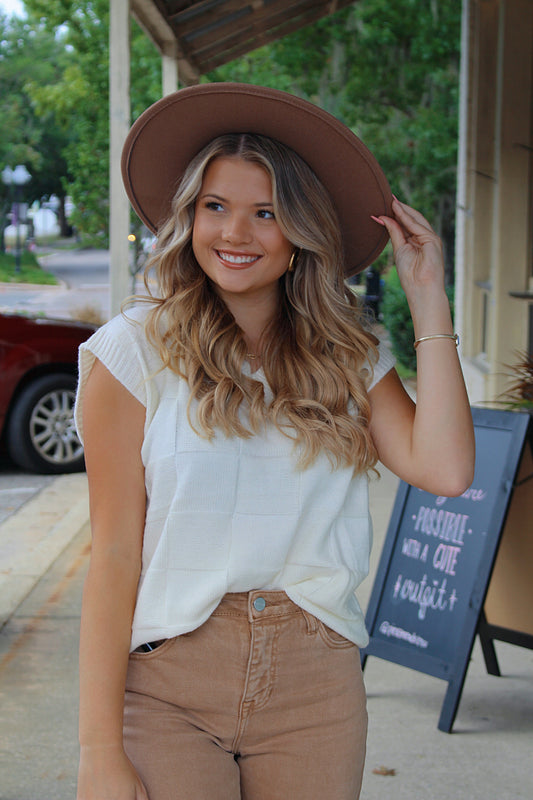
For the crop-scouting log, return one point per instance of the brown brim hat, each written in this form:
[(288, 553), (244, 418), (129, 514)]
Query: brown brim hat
[(165, 138)]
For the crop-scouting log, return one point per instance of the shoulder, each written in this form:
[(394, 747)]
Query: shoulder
[(122, 346), (127, 326), (124, 335)]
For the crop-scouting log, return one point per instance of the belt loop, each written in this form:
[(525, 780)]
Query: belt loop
[(311, 621)]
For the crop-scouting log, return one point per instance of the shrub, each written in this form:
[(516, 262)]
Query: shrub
[(397, 320)]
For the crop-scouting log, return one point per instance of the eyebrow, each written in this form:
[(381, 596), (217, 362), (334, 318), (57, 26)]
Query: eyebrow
[(224, 200)]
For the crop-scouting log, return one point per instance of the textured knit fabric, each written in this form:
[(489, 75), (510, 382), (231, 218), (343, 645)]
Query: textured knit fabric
[(232, 514)]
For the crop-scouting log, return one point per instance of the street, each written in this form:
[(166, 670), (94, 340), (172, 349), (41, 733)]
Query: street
[(84, 276), (79, 269)]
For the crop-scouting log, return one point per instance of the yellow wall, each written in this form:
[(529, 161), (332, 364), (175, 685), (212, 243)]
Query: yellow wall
[(494, 214)]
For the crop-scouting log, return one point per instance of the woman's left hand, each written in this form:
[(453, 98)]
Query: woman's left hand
[(420, 264), (417, 249)]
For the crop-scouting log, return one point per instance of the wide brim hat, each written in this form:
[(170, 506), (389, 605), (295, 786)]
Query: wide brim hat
[(165, 138)]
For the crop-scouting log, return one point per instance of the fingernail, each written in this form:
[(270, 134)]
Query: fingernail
[(378, 220), (395, 198)]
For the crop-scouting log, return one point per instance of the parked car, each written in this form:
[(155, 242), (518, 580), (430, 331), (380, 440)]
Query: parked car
[(38, 376)]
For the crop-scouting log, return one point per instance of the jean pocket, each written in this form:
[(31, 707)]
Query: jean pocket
[(333, 639), (151, 650)]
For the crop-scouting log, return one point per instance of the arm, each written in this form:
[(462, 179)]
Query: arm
[(430, 445), (113, 423)]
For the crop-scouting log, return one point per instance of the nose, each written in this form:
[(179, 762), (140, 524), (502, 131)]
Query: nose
[(237, 229)]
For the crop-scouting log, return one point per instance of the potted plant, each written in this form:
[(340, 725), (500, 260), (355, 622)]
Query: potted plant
[(519, 395)]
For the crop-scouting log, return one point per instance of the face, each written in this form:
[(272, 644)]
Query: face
[(236, 239)]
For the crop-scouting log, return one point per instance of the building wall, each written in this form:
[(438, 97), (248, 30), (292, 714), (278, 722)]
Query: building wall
[(494, 255)]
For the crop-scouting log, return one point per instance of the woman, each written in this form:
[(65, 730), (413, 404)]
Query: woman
[(229, 425)]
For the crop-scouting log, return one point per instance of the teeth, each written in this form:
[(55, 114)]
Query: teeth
[(237, 259)]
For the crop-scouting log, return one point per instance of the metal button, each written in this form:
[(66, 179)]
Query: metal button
[(259, 603)]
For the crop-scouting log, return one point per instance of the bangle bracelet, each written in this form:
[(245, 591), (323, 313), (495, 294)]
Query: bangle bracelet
[(453, 336)]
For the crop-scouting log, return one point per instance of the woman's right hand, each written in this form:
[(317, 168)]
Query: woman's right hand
[(106, 773)]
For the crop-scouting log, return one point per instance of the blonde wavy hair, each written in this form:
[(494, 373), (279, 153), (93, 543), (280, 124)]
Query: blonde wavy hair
[(313, 351)]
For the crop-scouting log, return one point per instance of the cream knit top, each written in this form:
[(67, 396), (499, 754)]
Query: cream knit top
[(231, 514)]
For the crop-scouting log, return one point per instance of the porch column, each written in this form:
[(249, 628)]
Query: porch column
[(119, 123)]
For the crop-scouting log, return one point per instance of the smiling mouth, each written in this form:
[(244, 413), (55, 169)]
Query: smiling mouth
[(235, 261)]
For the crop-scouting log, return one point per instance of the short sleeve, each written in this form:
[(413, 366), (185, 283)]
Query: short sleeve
[(121, 346), (385, 362)]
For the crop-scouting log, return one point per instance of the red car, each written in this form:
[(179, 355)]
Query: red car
[(38, 375)]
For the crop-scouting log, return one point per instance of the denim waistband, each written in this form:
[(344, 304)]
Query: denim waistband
[(256, 605)]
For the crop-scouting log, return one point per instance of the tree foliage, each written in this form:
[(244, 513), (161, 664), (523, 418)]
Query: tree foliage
[(30, 55), (80, 97)]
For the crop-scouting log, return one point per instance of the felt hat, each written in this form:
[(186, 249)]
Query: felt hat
[(165, 138)]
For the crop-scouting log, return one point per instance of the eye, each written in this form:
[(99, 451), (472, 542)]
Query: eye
[(213, 205), (265, 213)]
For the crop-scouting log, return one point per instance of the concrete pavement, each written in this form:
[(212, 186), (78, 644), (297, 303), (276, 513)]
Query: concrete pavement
[(43, 549), (32, 538)]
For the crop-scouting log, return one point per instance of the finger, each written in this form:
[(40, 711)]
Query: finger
[(410, 217), (394, 229)]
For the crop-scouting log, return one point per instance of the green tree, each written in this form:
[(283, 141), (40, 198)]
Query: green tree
[(30, 55), (80, 98)]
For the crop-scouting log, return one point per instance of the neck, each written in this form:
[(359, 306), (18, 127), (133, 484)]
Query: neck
[(252, 316)]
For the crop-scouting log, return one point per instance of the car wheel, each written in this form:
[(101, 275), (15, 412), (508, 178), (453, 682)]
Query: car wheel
[(41, 434)]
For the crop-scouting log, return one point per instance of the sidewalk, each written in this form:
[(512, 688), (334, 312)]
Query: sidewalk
[(32, 538), (487, 757)]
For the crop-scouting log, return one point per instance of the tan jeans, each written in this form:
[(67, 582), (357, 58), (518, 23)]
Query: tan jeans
[(262, 702)]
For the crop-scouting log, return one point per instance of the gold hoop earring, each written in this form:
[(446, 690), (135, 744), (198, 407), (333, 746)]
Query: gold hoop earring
[(292, 261)]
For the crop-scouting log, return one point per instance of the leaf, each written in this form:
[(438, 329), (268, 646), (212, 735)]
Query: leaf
[(384, 771)]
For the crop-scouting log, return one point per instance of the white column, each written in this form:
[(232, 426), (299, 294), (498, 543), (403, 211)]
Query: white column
[(169, 69), (119, 123)]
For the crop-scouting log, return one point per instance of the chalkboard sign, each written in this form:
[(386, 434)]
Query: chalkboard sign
[(427, 599)]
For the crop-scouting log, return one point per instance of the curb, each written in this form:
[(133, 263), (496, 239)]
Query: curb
[(33, 287), (33, 538)]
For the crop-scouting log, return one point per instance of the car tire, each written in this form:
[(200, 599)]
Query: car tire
[(41, 434)]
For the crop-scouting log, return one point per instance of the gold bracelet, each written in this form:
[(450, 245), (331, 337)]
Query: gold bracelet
[(453, 336)]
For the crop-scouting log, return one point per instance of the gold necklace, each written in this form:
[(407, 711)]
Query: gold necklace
[(251, 355)]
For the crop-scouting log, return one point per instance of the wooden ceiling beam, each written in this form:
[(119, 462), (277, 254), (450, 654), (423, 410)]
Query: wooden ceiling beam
[(246, 42), (209, 25), (227, 35), (204, 37), (206, 12), (156, 27)]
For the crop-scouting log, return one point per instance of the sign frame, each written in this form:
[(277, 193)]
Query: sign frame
[(453, 670)]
